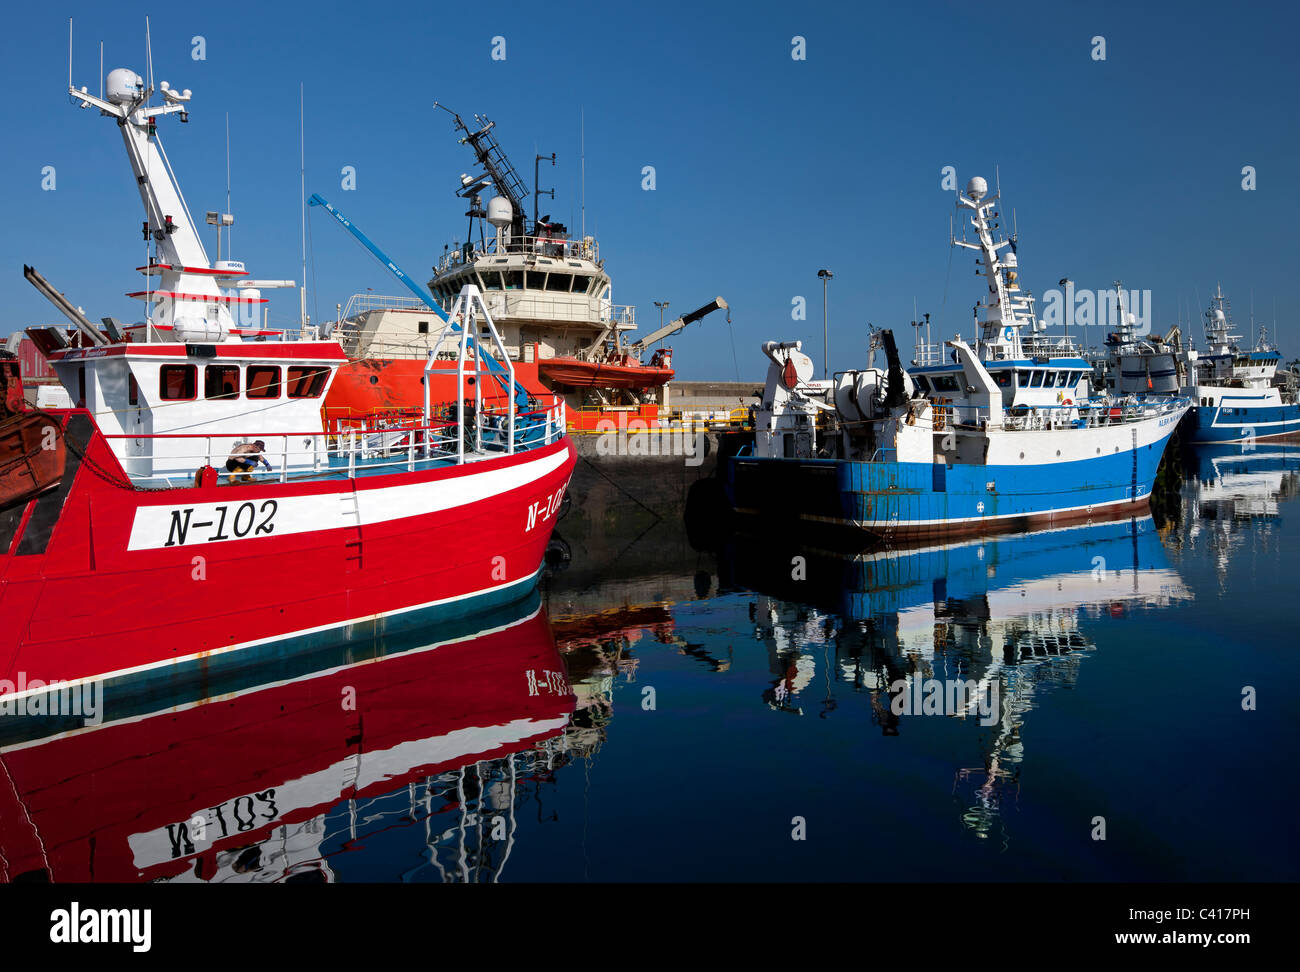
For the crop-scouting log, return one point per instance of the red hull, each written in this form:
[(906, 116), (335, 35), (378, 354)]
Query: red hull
[(119, 803), (589, 374), (382, 384), (100, 581)]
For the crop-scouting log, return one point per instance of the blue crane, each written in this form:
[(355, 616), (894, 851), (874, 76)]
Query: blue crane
[(498, 370)]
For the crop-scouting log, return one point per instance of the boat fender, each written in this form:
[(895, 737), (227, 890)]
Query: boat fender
[(789, 375), (206, 476)]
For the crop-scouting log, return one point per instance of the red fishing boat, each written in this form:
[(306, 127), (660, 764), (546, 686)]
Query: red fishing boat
[(208, 516)]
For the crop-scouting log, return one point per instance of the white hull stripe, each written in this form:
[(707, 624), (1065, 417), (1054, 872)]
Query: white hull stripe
[(879, 525), (324, 786), (157, 527)]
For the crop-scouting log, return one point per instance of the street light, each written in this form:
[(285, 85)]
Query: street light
[(826, 279), (661, 304), (1066, 284)]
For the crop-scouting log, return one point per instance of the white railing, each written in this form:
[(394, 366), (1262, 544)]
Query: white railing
[(584, 249), (1086, 413), (352, 448)]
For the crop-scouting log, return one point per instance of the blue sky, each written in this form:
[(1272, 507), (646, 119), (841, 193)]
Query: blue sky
[(767, 168)]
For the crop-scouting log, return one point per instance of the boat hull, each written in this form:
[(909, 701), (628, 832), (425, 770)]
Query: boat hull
[(872, 501), (135, 588), (370, 385), (1242, 423)]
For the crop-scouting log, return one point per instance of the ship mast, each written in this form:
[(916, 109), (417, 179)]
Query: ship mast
[(1004, 310), (493, 159)]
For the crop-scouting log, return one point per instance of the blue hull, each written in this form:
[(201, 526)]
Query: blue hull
[(1241, 423), (884, 500)]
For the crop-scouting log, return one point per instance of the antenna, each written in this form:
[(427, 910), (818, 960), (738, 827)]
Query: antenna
[(302, 173), (582, 149), (101, 70), (229, 232), (148, 51), (69, 53)]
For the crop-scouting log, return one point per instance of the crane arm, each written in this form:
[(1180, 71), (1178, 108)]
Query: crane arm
[(317, 200), (674, 326), (497, 369)]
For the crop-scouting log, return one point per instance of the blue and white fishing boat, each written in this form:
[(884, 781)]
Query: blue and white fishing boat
[(1232, 388), (1002, 436)]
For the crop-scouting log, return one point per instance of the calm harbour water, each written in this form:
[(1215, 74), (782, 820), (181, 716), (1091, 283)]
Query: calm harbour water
[(749, 696)]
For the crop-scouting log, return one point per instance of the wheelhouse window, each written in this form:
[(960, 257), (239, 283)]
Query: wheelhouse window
[(263, 381), (422, 327), (1003, 378), (221, 381), (178, 383), (307, 382), (1049, 380), (923, 383), (945, 383), (1036, 379), (1022, 379), (536, 280)]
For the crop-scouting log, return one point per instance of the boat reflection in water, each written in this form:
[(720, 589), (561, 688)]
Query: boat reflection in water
[(272, 776), (1232, 496), (980, 631)]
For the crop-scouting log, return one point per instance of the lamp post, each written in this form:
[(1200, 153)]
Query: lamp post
[(826, 279), (1066, 285), (661, 304)]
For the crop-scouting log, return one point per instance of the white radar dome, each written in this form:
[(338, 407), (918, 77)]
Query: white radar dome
[(1217, 315), (977, 188), (499, 211), (123, 86)]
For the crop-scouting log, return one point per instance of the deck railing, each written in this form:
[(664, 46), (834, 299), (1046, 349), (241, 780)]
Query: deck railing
[(1085, 413), (392, 441)]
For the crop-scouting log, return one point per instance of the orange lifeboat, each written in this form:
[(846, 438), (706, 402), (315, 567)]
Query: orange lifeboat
[(621, 371)]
